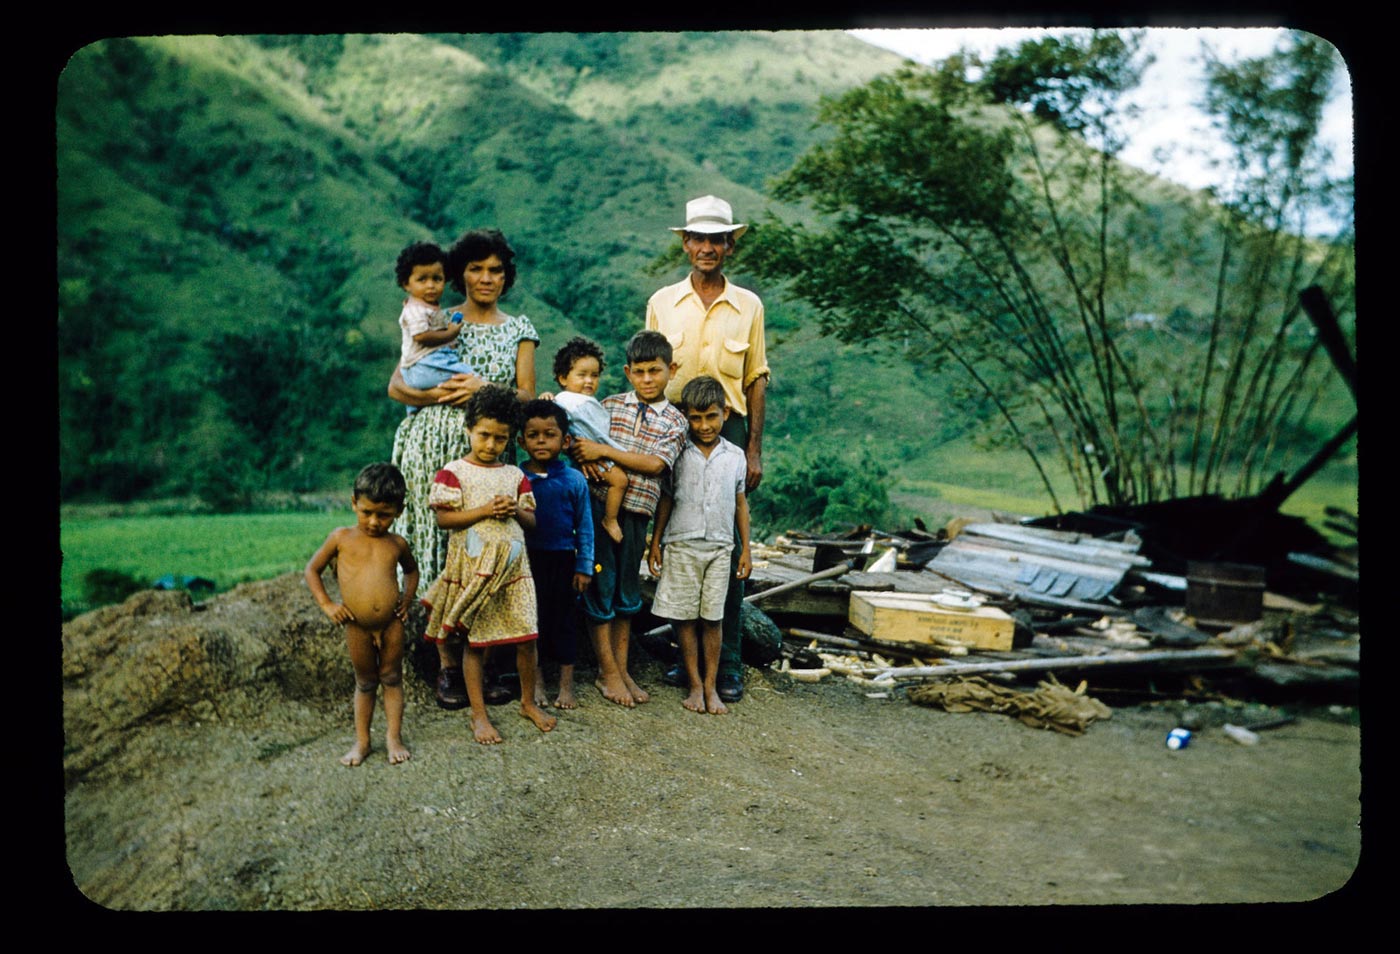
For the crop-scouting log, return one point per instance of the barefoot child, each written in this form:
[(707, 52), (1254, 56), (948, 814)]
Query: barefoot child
[(426, 355), (701, 505), (485, 593), (650, 434), (577, 367), (367, 557), (560, 546)]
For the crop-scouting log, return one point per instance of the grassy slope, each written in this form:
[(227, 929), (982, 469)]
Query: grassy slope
[(226, 548), (219, 182), (212, 194)]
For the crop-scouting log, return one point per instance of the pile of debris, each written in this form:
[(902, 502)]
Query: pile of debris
[(1011, 598)]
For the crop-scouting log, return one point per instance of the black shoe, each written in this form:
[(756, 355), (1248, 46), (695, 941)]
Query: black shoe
[(675, 676), (730, 686), (496, 692), (451, 690)]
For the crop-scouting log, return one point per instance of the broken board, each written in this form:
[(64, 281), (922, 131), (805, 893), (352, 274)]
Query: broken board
[(916, 618)]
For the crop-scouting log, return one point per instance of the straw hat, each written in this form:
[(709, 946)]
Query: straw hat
[(710, 215)]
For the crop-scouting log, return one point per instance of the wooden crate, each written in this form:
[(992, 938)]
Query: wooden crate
[(916, 618)]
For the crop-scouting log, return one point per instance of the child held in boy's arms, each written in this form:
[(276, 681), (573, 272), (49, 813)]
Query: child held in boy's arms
[(701, 505), (485, 593), (426, 355), (577, 367), (649, 433), (560, 546), (372, 610)]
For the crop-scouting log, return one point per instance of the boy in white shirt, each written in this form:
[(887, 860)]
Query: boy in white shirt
[(700, 508)]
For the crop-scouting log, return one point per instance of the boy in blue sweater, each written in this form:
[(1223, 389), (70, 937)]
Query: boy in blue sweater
[(560, 546)]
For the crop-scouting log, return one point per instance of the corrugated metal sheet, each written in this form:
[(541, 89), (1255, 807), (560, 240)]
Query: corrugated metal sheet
[(1038, 564)]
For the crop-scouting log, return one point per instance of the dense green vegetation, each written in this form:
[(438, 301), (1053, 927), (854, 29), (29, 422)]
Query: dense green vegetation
[(1011, 249), (229, 209)]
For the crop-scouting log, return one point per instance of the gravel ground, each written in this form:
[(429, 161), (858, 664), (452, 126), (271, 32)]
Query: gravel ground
[(804, 795)]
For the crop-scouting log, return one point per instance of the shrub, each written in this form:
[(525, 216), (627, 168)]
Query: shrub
[(815, 492)]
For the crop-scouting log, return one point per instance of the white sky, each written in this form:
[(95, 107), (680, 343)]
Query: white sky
[(1167, 97)]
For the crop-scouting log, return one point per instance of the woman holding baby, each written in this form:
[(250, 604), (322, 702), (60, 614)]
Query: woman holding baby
[(481, 267)]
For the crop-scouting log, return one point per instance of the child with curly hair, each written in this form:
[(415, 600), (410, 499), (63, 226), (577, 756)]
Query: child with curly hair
[(577, 367), (485, 593), (426, 353)]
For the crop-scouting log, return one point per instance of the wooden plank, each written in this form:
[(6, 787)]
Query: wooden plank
[(809, 601), (859, 646), (1323, 565), (828, 573), (1192, 657)]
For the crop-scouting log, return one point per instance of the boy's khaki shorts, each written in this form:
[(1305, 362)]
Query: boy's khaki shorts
[(694, 580)]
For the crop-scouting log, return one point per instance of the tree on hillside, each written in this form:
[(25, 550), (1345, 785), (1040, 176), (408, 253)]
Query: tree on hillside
[(115, 424), (1010, 243), (285, 410)]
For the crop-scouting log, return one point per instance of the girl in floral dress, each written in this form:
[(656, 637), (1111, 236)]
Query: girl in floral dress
[(485, 593)]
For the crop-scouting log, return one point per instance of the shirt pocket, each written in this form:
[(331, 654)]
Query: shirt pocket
[(677, 338), (732, 357)]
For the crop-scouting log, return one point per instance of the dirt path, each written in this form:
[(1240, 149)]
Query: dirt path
[(805, 795)]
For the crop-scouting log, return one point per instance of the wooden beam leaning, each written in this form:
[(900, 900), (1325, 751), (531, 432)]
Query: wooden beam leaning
[(1209, 657)]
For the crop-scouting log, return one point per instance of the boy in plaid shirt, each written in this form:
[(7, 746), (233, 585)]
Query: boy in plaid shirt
[(650, 434)]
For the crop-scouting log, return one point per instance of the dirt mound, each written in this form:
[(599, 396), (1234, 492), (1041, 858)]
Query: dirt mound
[(158, 658), (201, 762)]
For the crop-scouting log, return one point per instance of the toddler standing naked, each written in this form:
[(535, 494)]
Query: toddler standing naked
[(372, 609)]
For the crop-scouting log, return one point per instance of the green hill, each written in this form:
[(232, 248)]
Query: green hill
[(229, 210), (223, 200)]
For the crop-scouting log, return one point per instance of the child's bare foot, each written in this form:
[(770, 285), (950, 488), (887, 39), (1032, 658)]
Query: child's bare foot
[(565, 699), (541, 697), (398, 752), (615, 690), (357, 754), (639, 695), (483, 731), (695, 702), (713, 704), (542, 720), (612, 528)]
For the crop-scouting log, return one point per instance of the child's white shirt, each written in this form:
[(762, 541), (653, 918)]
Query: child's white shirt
[(587, 417), (417, 317)]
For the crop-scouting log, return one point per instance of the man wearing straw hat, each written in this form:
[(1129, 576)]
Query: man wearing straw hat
[(716, 328)]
